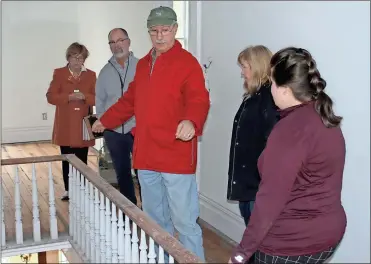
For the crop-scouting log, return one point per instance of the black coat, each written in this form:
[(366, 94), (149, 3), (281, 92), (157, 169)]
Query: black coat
[(251, 127)]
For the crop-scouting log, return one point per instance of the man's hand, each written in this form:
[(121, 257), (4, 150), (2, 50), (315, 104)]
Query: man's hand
[(185, 130), (76, 96), (98, 127)]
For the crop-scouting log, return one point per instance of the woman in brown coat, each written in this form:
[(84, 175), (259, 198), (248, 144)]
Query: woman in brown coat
[(72, 91)]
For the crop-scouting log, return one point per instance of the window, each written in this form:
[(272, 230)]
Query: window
[(181, 9)]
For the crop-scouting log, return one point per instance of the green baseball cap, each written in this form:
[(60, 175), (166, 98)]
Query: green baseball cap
[(162, 15)]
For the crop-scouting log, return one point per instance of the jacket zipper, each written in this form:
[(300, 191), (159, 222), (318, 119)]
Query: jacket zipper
[(234, 148), (136, 138), (152, 65), (192, 154)]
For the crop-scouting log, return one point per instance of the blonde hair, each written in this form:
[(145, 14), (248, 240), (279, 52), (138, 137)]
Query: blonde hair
[(258, 57)]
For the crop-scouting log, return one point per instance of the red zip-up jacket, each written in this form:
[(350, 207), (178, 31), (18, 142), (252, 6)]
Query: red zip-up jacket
[(298, 208), (173, 92)]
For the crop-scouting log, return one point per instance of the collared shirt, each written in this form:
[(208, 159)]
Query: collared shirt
[(82, 69)]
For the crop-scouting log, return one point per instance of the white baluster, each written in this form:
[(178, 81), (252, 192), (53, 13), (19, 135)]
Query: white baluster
[(114, 234), (171, 259), (127, 240), (96, 222), (161, 256), (91, 219), (143, 247), (77, 206), (3, 238), (71, 191), (82, 212), (18, 214), (52, 210), (134, 246), (87, 221), (35, 207), (102, 222), (151, 253), (108, 231), (121, 244)]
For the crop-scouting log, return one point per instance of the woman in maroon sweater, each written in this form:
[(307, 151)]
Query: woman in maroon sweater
[(298, 216)]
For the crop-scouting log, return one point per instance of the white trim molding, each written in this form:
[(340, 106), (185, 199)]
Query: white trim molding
[(222, 219), (194, 46), (26, 134), (32, 247)]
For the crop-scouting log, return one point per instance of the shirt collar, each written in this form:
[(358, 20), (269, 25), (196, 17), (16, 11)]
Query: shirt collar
[(83, 68), (177, 47), (285, 112)]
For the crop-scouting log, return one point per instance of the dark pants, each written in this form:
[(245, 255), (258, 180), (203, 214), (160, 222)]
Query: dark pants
[(246, 211), (81, 153), (120, 146)]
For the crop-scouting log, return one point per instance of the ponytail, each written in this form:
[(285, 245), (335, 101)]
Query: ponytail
[(323, 102), (323, 106), (296, 68)]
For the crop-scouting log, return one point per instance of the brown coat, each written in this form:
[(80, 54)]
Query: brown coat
[(67, 130)]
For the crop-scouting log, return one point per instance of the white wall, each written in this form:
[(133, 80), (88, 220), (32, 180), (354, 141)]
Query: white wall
[(35, 35), (338, 36)]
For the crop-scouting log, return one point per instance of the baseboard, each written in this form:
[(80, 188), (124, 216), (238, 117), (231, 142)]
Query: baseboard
[(221, 235), (25, 134), (227, 222)]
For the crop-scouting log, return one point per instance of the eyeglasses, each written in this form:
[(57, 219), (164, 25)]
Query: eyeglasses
[(78, 58), (119, 41), (164, 31)]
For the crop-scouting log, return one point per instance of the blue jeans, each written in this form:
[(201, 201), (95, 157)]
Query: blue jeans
[(172, 201), (246, 210)]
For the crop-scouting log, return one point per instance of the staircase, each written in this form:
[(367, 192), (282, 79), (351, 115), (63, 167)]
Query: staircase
[(98, 224)]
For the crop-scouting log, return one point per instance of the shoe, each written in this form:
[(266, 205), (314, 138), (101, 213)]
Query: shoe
[(65, 196)]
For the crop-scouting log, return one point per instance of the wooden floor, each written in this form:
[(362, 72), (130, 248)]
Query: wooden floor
[(217, 249)]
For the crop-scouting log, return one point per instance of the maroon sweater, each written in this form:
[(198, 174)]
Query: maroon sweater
[(298, 208)]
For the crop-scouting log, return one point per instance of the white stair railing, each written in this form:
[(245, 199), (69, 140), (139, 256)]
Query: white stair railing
[(52, 210), (35, 207), (104, 226), (16, 169), (18, 209), (96, 225), (109, 223)]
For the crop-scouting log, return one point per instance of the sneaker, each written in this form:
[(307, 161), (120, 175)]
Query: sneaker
[(65, 196)]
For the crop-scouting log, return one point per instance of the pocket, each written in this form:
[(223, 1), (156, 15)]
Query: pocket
[(163, 138)]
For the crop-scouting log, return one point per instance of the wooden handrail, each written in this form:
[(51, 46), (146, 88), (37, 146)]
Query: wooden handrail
[(169, 243), (15, 161)]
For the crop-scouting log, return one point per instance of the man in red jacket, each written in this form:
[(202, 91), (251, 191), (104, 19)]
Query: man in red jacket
[(170, 102)]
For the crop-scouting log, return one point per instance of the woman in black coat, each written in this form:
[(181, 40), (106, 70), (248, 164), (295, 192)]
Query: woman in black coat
[(251, 127)]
